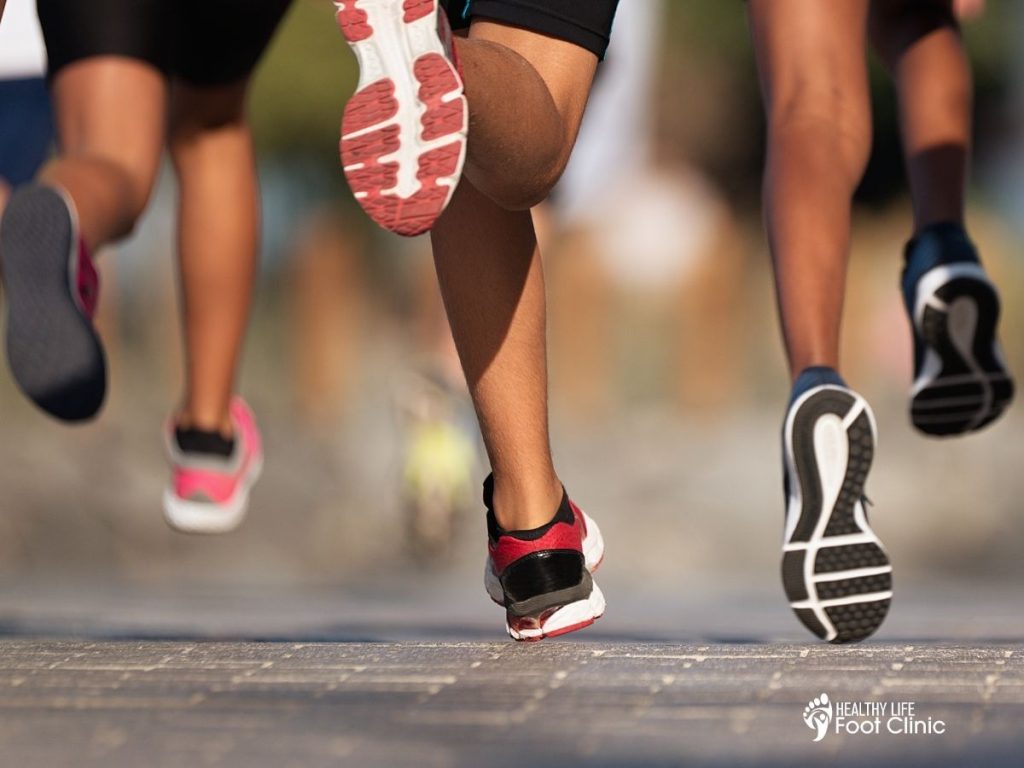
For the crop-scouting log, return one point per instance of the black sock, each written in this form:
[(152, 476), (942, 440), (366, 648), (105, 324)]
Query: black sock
[(193, 440), (562, 515)]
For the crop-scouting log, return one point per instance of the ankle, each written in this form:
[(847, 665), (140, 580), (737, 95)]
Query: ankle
[(524, 505), (205, 421), (813, 364), (815, 376), (942, 222)]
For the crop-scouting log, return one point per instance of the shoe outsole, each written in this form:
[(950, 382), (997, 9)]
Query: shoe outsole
[(963, 385), (53, 350), (403, 133), (558, 621), (835, 572)]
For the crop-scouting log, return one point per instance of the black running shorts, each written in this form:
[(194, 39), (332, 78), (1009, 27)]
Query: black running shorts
[(586, 23), (205, 42)]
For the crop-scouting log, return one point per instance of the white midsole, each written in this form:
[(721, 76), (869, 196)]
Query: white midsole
[(569, 615), (188, 516)]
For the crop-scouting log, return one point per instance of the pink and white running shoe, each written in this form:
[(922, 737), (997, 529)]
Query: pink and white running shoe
[(403, 134), (209, 490), (55, 353)]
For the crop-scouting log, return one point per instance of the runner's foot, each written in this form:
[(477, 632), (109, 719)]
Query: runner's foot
[(961, 382), (543, 576), (403, 134), (211, 476), (834, 570), (52, 287)]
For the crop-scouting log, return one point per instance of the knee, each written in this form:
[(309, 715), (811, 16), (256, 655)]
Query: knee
[(196, 113), (824, 115), (133, 179), (139, 179), (520, 194)]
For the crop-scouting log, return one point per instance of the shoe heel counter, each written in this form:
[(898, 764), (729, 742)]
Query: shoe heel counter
[(542, 573)]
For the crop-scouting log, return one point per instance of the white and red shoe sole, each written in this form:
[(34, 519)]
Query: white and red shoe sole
[(403, 134), (566, 618)]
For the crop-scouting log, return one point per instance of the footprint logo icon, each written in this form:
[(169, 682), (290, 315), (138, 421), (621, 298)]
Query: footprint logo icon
[(818, 715)]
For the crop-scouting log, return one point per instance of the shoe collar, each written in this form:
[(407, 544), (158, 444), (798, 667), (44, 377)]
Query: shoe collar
[(203, 461), (564, 514)]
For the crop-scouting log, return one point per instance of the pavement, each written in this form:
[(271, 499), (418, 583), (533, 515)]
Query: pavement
[(419, 674)]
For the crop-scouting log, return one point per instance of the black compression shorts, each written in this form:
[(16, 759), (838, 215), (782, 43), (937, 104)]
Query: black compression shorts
[(586, 23), (205, 42)]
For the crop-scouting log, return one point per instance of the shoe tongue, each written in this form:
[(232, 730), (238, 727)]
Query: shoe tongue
[(200, 441)]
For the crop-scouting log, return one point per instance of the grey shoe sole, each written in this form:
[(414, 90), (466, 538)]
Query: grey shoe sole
[(53, 350)]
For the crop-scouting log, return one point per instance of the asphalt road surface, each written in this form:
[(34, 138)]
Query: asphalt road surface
[(109, 676)]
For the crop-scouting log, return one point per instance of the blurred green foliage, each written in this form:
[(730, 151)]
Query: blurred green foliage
[(303, 83)]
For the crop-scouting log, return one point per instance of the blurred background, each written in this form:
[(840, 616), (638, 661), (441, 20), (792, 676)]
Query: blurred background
[(668, 377)]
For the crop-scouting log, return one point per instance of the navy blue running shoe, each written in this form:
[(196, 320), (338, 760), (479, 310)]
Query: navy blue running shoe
[(961, 382), (835, 571)]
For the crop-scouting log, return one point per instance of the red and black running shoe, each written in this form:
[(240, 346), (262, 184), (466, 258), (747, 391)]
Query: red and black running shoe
[(403, 134), (543, 576)]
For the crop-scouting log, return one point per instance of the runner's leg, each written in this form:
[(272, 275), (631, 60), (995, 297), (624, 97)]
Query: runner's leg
[(110, 115), (213, 442), (919, 40), (961, 382), (814, 80), (487, 259), (211, 147)]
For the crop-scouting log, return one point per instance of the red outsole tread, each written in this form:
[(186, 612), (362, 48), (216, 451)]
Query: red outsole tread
[(376, 104)]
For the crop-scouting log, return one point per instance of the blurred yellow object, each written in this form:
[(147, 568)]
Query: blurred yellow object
[(440, 462), (437, 478)]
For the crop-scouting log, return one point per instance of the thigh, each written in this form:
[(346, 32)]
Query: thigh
[(198, 108), (811, 56), (112, 108), (562, 39), (566, 69), (218, 42)]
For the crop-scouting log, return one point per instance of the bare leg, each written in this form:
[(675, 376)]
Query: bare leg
[(919, 40), (487, 258), (513, 161), (110, 123), (217, 232), (814, 80), (491, 277)]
